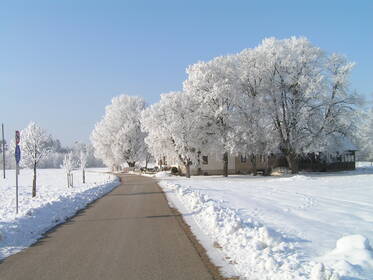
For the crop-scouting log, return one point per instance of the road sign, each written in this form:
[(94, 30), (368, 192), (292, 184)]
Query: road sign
[(18, 154), (18, 137)]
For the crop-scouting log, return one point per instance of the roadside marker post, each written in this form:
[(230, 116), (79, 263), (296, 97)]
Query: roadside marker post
[(17, 155)]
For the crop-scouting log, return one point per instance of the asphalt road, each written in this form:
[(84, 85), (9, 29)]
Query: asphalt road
[(131, 233)]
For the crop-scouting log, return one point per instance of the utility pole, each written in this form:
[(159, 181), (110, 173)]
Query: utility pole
[(2, 130)]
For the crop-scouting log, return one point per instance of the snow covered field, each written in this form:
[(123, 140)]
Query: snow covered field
[(53, 204), (282, 227)]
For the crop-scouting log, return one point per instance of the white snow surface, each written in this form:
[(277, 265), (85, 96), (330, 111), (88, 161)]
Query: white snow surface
[(309, 226), (162, 174), (53, 204)]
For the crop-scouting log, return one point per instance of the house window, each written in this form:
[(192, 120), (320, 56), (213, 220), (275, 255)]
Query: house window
[(243, 159), (205, 160)]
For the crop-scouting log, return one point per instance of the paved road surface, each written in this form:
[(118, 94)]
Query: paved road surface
[(130, 233)]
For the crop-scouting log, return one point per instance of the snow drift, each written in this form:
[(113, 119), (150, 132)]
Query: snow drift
[(254, 250)]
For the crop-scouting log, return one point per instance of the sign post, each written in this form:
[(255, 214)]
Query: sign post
[(18, 158)]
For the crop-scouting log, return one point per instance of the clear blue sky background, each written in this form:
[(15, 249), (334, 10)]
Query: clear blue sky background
[(61, 62)]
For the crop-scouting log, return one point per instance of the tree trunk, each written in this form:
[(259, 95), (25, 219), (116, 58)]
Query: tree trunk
[(253, 163), (268, 169), (34, 182), (199, 169), (131, 164), (292, 160), (225, 166), (187, 167), (83, 176)]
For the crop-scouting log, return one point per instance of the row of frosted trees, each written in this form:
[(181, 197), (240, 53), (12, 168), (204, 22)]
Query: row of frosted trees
[(284, 96), (36, 145)]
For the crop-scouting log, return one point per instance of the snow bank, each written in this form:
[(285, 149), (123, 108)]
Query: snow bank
[(53, 204), (310, 211), (162, 174), (352, 256), (254, 251)]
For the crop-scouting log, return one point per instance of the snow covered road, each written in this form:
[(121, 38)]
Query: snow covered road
[(303, 217)]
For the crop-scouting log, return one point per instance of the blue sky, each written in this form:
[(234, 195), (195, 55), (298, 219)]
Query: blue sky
[(61, 62)]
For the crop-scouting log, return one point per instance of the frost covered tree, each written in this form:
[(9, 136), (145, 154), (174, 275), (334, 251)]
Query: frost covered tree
[(83, 162), (34, 146), (155, 121), (305, 92), (284, 95), (92, 161), (55, 156), (172, 128), (186, 128), (101, 142), (69, 164), (118, 138), (252, 124), (81, 154), (213, 85), (148, 158), (365, 137)]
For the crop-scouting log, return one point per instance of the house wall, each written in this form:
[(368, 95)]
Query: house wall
[(243, 167), (344, 161), (236, 166), (213, 167), (262, 163)]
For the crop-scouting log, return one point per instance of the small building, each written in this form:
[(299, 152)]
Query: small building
[(340, 156), (240, 164)]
